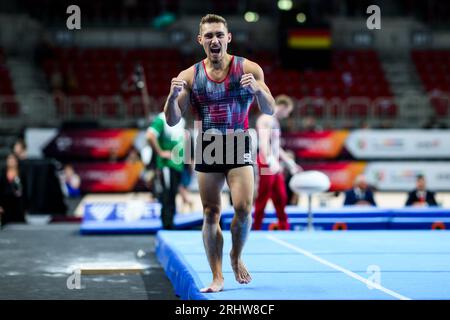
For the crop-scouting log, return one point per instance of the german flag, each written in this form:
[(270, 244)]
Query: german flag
[(309, 39)]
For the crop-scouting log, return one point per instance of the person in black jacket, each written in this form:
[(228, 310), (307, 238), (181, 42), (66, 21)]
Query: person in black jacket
[(12, 192), (421, 196), (360, 194)]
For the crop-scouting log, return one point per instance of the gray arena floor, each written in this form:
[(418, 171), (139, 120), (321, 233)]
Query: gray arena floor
[(37, 260)]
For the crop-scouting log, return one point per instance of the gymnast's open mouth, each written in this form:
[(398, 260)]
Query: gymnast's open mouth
[(215, 50)]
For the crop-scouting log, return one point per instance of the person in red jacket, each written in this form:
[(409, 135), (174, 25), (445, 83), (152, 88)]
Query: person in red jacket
[(270, 155)]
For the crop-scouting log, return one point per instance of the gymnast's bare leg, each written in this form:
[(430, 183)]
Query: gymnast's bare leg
[(210, 187), (241, 183)]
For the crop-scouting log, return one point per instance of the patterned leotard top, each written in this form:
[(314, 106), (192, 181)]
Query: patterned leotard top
[(221, 105)]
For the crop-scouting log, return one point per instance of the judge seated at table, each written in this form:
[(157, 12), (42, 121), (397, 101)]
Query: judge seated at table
[(360, 194), (420, 196)]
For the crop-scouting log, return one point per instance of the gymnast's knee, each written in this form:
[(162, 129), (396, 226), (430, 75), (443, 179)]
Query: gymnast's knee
[(243, 210), (211, 214)]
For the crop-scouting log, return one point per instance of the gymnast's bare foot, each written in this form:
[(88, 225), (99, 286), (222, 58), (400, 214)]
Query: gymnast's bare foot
[(215, 286), (240, 271)]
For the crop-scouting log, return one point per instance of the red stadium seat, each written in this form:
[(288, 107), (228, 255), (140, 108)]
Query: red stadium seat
[(82, 106), (385, 108), (135, 106), (433, 67), (9, 107), (109, 106), (357, 107), (441, 103), (313, 106), (105, 71)]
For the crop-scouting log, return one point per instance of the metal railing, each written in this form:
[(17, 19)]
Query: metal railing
[(333, 111)]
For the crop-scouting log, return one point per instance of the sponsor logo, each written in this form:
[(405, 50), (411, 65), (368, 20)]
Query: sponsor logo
[(428, 144), (315, 144), (138, 210), (379, 176), (407, 175), (63, 143), (389, 144), (101, 211), (362, 144), (444, 176)]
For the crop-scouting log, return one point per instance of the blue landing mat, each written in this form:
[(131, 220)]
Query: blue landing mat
[(356, 218), (369, 265), (130, 218), (136, 217)]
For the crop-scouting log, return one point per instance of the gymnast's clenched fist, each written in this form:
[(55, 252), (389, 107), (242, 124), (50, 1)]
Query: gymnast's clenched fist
[(177, 85), (249, 82)]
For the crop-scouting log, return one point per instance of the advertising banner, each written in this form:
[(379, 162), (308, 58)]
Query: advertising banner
[(385, 175), (126, 211), (94, 144), (341, 174), (394, 176), (108, 177), (101, 144), (315, 145), (131, 217), (399, 144)]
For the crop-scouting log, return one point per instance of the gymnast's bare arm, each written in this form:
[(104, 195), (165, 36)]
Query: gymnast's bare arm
[(253, 80), (178, 99)]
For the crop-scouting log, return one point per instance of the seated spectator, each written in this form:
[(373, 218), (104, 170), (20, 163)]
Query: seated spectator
[(20, 149), (57, 81), (310, 124), (71, 83), (360, 194), (421, 196), (133, 156), (71, 181), (12, 192), (347, 79)]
